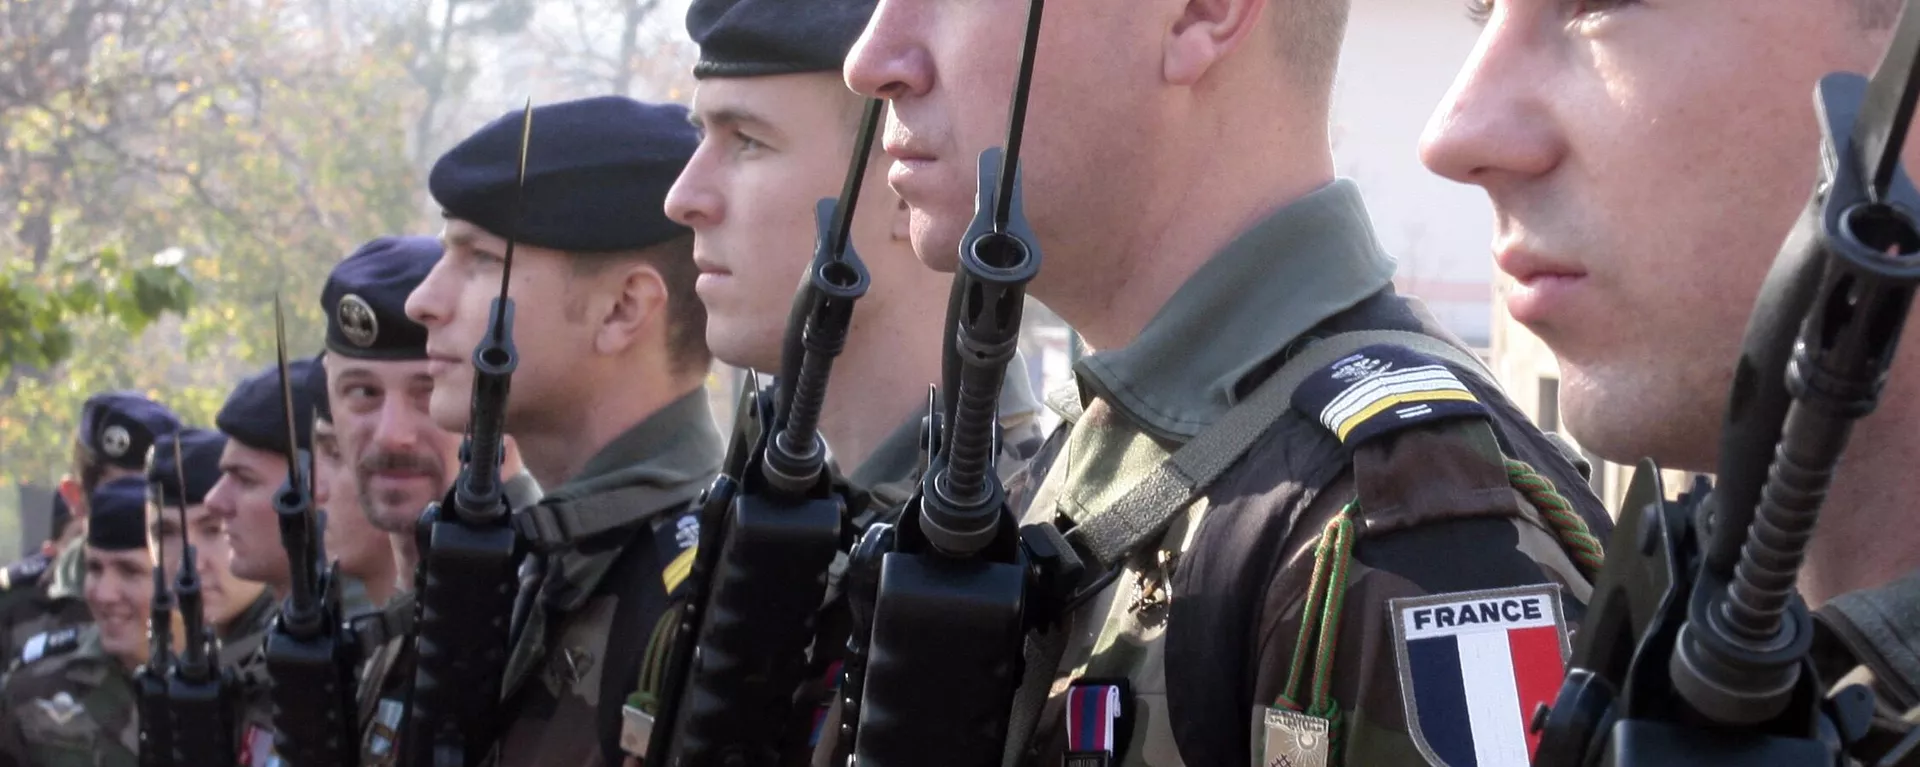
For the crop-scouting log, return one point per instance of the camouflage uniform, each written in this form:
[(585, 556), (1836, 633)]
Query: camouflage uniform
[(1201, 624), (385, 639), (243, 649), (69, 704), (52, 602), (605, 593)]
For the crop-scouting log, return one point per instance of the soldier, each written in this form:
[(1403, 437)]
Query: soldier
[(116, 428), (237, 608), (68, 698), (363, 551), (607, 404), (776, 134), (1178, 177), (396, 458), (1647, 189), (253, 468)]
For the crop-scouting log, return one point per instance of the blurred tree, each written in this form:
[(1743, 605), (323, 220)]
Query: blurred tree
[(195, 158)]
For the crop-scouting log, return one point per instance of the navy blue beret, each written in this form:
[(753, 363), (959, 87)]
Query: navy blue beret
[(119, 426), (317, 389), (598, 171), (256, 417), (366, 299), (117, 515), (754, 38), (200, 459)]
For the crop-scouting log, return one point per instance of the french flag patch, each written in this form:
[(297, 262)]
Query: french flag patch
[(1473, 667)]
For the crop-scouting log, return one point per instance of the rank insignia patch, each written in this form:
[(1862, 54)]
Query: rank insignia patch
[(1381, 389), (1473, 667)]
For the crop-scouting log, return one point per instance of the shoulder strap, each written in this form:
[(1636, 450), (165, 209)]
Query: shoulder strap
[(1147, 508), (551, 525), (1886, 620)]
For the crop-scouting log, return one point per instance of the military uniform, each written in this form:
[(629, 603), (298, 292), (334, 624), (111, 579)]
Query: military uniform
[(116, 429), (385, 637), (1873, 631), (66, 703), (604, 594), (1218, 643)]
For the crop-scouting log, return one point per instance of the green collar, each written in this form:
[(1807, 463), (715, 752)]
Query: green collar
[(1302, 264)]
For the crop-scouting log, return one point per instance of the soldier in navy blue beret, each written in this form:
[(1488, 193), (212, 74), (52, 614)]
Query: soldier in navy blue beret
[(119, 566), (608, 396), (230, 602), (253, 467), (366, 299), (778, 127), (116, 428)]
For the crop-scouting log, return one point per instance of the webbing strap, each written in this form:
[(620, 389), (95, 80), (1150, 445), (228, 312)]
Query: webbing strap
[(1149, 506), (549, 526), (1886, 621)]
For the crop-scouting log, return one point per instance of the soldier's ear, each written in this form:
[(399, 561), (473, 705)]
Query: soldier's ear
[(638, 310)]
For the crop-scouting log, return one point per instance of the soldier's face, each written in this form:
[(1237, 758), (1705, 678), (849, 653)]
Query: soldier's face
[(243, 501), (948, 69), (119, 592), (399, 459), (770, 149), (1645, 161), (351, 537), (224, 594), (453, 304)]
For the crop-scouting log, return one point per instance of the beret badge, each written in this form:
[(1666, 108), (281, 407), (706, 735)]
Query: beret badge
[(115, 440), (357, 321)]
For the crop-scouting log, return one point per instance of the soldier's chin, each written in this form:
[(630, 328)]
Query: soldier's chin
[(448, 408)]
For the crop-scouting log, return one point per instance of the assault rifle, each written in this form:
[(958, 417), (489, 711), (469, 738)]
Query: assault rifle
[(770, 526), (1695, 645), (466, 579), (948, 590), (202, 697), (150, 681), (308, 655)]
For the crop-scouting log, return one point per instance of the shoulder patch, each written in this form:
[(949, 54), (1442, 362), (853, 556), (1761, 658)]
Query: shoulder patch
[(24, 572), (1381, 389), (1473, 667), (47, 644), (676, 539)]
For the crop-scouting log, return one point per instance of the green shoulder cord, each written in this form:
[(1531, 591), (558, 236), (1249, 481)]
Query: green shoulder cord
[(1567, 526), (1327, 591), (1326, 595), (653, 665)]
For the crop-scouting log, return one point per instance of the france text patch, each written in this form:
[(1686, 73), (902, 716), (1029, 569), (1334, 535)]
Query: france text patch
[(1473, 667), (1381, 389)]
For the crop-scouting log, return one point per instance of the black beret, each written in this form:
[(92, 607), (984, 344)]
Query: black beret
[(366, 299), (754, 38), (117, 515), (199, 456), (61, 514), (598, 171), (254, 414), (119, 426), (317, 389)]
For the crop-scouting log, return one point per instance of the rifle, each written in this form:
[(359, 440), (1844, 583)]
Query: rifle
[(466, 579), (150, 681), (308, 655), (201, 696), (770, 526), (1695, 646), (956, 582)]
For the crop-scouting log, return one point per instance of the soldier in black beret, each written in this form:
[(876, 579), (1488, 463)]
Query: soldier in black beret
[(115, 430), (607, 402), (253, 467), (71, 690), (237, 608)]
